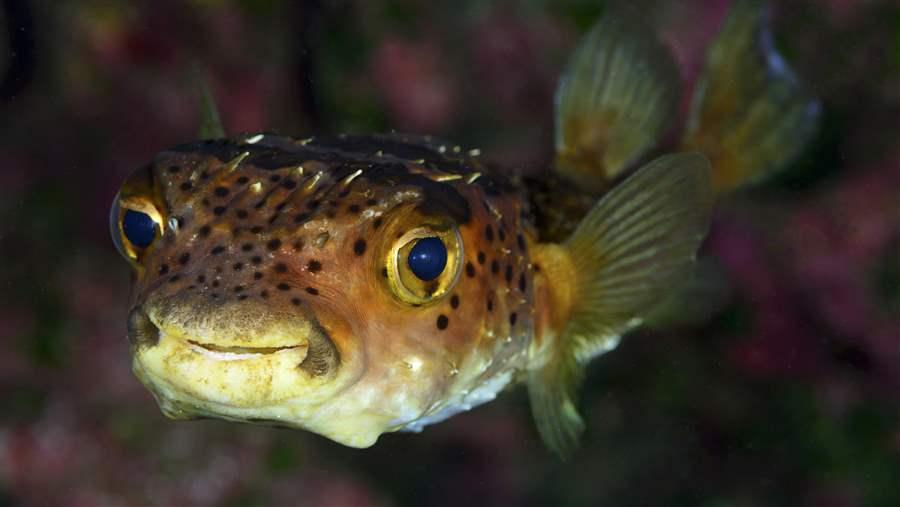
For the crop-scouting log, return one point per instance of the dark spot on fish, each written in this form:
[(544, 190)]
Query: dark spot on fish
[(481, 258), (509, 273), (247, 247), (217, 250), (313, 204), (283, 286), (214, 295), (215, 283), (314, 266), (522, 282), (201, 279), (298, 245), (384, 272), (242, 297), (204, 175), (174, 169), (238, 288), (495, 266), (275, 178), (243, 180), (264, 294), (489, 232), (281, 267), (312, 290), (371, 202), (256, 260), (241, 213), (501, 234), (238, 266), (359, 247), (273, 244), (470, 270), (512, 318), (376, 223), (163, 269), (353, 208), (256, 229), (219, 210), (257, 275), (442, 322), (184, 258), (521, 241), (185, 186), (454, 301), (174, 278), (301, 217), (204, 231), (289, 184), (295, 302), (221, 192), (490, 305)]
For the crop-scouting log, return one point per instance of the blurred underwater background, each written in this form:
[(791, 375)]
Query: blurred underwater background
[(780, 386)]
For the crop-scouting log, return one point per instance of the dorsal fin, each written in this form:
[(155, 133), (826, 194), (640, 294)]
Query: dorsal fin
[(615, 100)]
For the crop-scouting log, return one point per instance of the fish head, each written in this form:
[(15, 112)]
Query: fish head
[(281, 288)]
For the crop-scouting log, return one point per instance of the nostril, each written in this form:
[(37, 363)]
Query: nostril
[(142, 332)]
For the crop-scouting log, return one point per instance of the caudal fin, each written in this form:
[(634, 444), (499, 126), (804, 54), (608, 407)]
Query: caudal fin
[(615, 100), (749, 114), (635, 245)]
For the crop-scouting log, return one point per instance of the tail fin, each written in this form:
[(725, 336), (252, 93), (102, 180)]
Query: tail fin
[(636, 243), (749, 114), (615, 100)]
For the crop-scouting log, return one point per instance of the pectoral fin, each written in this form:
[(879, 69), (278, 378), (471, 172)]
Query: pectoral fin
[(615, 100), (635, 245)]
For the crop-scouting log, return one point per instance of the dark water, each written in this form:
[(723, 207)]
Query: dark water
[(785, 392)]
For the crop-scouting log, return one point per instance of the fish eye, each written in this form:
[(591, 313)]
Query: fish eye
[(138, 228), (134, 225), (428, 258), (424, 264)]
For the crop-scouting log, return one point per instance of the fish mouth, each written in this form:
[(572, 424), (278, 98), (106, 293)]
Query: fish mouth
[(212, 347), (236, 353)]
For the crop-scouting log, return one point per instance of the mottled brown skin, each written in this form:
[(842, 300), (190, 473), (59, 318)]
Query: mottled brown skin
[(261, 244)]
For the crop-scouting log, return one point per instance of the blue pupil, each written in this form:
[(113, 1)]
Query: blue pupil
[(428, 258), (139, 228)]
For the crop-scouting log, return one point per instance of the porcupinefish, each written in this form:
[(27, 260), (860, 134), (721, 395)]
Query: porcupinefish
[(357, 285)]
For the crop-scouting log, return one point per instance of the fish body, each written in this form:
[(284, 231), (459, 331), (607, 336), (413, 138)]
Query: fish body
[(262, 228), (357, 285)]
